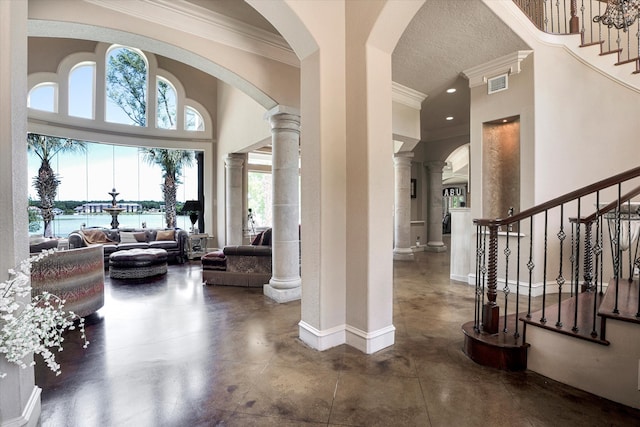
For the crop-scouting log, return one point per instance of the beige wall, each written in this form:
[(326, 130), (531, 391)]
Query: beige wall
[(241, 125)]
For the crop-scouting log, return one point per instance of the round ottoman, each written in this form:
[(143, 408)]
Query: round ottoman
[(137, 263)]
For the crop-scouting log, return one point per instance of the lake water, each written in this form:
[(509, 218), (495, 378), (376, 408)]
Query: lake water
[(65, 224)]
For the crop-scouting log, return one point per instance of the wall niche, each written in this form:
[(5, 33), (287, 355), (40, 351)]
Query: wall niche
[(500, 167)]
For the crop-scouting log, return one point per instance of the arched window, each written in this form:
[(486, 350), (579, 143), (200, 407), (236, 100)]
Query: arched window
[(193, 119), (43, 97), (126, 87), (167, 111), (81, 90)]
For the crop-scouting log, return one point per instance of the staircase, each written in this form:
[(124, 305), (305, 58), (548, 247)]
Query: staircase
[(584, 17), (557, 290)]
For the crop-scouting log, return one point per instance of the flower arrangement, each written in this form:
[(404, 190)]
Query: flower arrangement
[(33, 325)]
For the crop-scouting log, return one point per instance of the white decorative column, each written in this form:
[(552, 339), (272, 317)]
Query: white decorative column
[(462, 247), (285, 283), (434, 237), (234, 213), (19, 396), (402, 207)]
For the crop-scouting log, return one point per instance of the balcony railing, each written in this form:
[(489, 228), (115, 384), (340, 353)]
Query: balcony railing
[(580, 16)]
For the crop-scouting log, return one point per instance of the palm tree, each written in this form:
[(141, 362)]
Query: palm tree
[(171, 162), (46, 182)]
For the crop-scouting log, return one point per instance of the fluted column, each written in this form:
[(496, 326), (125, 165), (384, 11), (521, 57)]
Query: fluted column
[(233, 166), (434, 237), (402, 206), (285, 283)]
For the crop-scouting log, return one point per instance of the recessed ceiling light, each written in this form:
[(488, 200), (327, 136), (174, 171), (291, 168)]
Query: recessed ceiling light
[(451, 90), (504, 120), (450, 118)]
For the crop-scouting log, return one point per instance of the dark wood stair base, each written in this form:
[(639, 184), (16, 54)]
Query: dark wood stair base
[(500, 351), (627, 301), (584, 323)]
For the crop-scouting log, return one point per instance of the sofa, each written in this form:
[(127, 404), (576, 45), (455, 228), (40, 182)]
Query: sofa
[(75, 275), (174, 241), (243, 265)]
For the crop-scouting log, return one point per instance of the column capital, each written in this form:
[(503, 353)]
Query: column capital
[(283, 118), (403, 157), (233, 161), (435, 165)]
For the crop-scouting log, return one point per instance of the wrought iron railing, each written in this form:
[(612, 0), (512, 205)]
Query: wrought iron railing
[(581, 16), (554, 257)]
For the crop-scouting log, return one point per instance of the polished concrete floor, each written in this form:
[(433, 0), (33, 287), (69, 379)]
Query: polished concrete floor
[(173, 352)]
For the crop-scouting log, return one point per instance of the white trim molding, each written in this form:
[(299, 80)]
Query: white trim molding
[(407, 96), (30, 415), (509, 64), (370, 342), (321, 340)]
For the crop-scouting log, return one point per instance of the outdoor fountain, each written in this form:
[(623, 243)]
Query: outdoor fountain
[(114, 210)]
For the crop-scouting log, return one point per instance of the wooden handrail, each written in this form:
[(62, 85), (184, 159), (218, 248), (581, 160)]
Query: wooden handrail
[(611, 206), (566, 198)]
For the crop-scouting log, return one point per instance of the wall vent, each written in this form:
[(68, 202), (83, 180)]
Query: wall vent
[(498, 83)]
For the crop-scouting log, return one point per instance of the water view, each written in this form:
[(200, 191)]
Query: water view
[(65, 224)]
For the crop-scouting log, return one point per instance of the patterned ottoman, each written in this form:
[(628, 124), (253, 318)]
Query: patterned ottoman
[(137, 263)]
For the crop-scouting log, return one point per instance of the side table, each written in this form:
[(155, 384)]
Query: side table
[(197, 245)]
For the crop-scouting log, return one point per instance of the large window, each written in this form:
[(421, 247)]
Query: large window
[(86, 180), (126, 87), (166, 114)]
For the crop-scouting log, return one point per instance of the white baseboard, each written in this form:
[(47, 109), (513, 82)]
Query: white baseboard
[(30, 415), (370, 342), (537, 288), (321, 340)]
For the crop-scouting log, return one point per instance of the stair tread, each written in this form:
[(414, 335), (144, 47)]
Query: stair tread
[(627, 301), (583, 323)]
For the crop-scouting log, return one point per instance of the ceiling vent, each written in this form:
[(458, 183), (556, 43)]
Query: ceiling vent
[(498, 83)]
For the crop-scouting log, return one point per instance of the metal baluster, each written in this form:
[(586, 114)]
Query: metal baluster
[(588, 258), (577, 273), (616, 259), (597, 250), (516, 333), (543, 319), (506, 290), (573, 255), (530, 265), (560, 280), (546, 18), (475, 296)]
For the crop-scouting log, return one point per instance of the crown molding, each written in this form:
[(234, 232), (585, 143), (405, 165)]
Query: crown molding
[(201, 22), (407, 96), (509, 64)]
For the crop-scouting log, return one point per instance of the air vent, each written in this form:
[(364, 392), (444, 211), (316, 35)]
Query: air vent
[(498, 83)]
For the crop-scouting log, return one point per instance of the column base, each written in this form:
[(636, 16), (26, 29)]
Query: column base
[(435, 247), (403, 254), (282, 295)]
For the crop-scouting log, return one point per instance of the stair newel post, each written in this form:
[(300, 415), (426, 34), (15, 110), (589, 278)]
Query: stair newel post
[(574, 24), (491, 310)]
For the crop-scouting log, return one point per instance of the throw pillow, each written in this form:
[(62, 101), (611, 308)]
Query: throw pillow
[(128, 237), (141, 237), (257, 241), (165, 235)]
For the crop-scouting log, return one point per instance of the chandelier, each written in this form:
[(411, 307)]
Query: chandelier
[(619, 13)]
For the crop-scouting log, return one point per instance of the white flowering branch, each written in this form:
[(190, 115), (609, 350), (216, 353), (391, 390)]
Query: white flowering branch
[(35, 326)]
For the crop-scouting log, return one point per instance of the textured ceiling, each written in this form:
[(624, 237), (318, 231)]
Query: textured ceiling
[(444, 38)]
